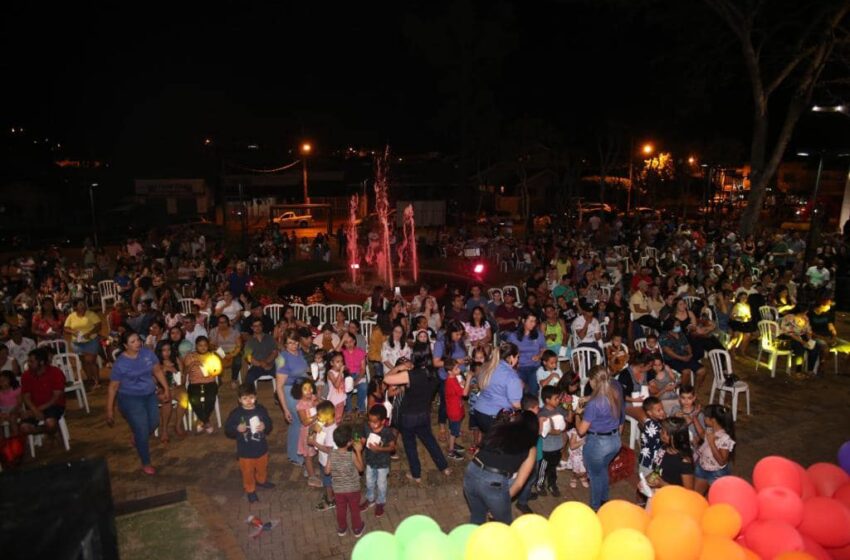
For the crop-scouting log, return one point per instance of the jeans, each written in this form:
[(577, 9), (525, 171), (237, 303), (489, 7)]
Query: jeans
[(376, 478), (142, 413), (528, 375), (294, 428), (256, 372), (599, 451), (442, 415), (236, 366), (486, 492), (530, 484), (361, 390), (419, 425)]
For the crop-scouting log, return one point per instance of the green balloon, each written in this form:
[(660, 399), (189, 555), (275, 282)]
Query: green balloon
[(458, 538), (377, 545), (414, 526), (428, 546)]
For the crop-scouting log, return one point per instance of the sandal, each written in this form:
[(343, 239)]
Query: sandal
[(585, 483), (573, 483)]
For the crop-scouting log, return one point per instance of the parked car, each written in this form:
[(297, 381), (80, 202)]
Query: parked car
[(291, 219)]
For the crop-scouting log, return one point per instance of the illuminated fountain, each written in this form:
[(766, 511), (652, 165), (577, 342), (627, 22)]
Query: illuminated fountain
[(408, 246), (352, 250)]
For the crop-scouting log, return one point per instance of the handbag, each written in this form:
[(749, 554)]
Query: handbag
[(623, 465)]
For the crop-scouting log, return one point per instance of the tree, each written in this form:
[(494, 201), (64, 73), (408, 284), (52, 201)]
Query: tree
[(786, 46)]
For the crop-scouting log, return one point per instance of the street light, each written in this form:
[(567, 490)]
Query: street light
[(647, 149), (93, 216), (692, 160), (306, 149)]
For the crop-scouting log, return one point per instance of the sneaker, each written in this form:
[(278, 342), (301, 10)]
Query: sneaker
[(562, 466), (542, 491), (341, 532), (459, 447), (359, 532), (266, 485), (555, 491), (314, 482), (379, 510), (252, 497), (324, 504), (524, 508), (366, 504), (532, 496), (453, 454)]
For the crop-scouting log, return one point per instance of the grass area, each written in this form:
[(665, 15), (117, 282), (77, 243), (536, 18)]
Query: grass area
[(168, 532)]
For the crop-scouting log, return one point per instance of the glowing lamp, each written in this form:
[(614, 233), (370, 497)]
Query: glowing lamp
[(211, 366), (355, 266), (478, 268), (306, 148), (647, 149)]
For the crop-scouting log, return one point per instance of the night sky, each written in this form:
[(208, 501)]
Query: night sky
[(146, 87)]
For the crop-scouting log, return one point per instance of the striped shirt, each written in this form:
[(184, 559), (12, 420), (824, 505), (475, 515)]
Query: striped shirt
[(344, 474)]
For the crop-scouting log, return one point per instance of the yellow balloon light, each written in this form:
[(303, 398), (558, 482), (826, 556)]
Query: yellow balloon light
[(536, 535), (577, 531), (494, 541), (212, 365), (627, 543), (620, 514)]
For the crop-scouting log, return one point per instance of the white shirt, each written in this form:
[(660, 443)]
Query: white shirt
[(232, 311), (592, 330), (817, 276), (196, 332), (20, 351)]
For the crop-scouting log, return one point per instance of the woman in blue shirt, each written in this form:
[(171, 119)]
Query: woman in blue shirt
[(531, 344), (500, 387), (132, 382), (601, 418), (449, 346), (290, 366)]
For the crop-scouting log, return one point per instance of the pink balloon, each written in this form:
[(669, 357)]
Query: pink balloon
[(780, 504), (808, 487), (827, 478), (826, 521), (777, 471), (738, 493), (815, 549), (771, 538), (843, 495)]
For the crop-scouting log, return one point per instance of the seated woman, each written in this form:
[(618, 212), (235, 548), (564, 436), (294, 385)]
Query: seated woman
[(782, 300), (679, 356), (822, 321), (664, 385), (796, 332)]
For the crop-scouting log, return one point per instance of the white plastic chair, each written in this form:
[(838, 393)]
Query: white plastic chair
[(513, 289), (274, 311), (651, 252), (353, 311), (186, 305), (640, 344), (331, 310), (492, 291), (300, 311), (317, 310), (366, 328), (768, 313), (72, 367), (37, 439), (721, 364), (691, 300), (55, 347), (108, 291), (189, 417), (634, 432), (583, 360), (769, 331), (271, 378), (606, 346)]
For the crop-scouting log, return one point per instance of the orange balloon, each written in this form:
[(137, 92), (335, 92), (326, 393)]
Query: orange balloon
[(714, 548), (721, 520), (795, 556), (675, 499), (750, 555), (674, 536), (620, 514)]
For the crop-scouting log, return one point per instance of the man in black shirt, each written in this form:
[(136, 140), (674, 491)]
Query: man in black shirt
[(256, 313)]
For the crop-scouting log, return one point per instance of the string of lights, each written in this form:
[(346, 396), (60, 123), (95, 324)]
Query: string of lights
[(275, 170)]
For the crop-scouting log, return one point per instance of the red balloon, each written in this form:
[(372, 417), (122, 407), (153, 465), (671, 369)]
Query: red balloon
[(843, 495), (827, 478), (842, 553), (814, 549), (771, 538), (12, 451), (808, 487), (780, 504), (826, 521), (738, 493), (777, 471)]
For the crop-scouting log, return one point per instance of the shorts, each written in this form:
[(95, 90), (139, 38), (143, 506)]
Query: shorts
[(327, 480), (454, 427), (711, 476), (473, 423), (55, 412), (90, 347)]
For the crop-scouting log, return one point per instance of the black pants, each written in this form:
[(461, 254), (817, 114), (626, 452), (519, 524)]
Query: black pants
[(549, 466), (202, 398), (800, 351)]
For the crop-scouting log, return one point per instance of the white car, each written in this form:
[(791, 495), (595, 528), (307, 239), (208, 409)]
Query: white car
[(291, 219)]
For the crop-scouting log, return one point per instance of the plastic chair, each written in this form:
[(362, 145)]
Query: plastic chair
[(108, 291), (634, 432), (55, 347), (189, 417), (769, 330), (640, 344), (72, 367), (768, 313), (274, 311), (492, 291), (515, 290), (37, 439), (317, 310), (583, 359), (691, 300), (186, 305), (353, 311), (606, 346), (300, 311), (331, 310), (721, 364), (366, 328)]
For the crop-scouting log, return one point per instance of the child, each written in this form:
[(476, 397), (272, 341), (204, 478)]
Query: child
[(717, 449), (548, 373), (677, 462), (377, 393), (345, 463), (304, 391), (317, 372), (335, 379), (569, 387), (617, 355), (249, 424), (553, 443), (470, 390), (10, 400), (690, 410), (530, 403), (380, 445), (454, 405), (650, 436), (652, 347), (321, 437), (575, 462)]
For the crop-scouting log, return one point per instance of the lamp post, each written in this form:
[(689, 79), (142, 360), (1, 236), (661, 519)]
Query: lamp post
[(306, 148), (647, 149), (93, 215)]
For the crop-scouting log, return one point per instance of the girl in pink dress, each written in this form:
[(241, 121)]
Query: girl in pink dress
[(305, 391), (335, 379)]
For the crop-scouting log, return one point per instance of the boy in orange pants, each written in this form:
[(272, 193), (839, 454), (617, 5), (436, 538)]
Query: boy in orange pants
[(249, 424)]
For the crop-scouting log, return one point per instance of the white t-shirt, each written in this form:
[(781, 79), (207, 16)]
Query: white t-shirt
[(20, 351), (817, 277), (594, 328), (196, 332), (232, 311), (326, 437)]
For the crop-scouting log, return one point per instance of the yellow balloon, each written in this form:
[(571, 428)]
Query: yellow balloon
[(627, 543), (578, 532), (494, 541), (620, 514), (212, 365), (536, 535)]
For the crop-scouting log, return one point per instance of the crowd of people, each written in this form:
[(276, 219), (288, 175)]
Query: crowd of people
[(495, 365)]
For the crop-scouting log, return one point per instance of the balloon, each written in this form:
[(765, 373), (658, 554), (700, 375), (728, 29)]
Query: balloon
[(781, 504), (721, 520), (844, 456), (795, 556), (826, 521), (827, 478), (429, 545), (714, 548), (577, 530), (185, 347), (769, 538), (458, 539), (842, 553), (674, 536), (809, 490), (494, 541), (738, 493), (843, 495), (626, 543), (212, 365), (412, 527), (536, 535), (676, 499), (751, 555), (376, 544), (814, 549), (777, 471), (620, 514), (12, 451)]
